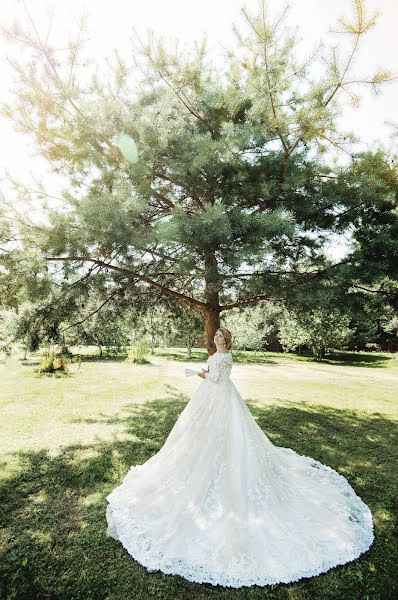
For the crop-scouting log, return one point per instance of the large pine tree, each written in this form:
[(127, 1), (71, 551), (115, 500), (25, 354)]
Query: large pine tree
[(230, 195)]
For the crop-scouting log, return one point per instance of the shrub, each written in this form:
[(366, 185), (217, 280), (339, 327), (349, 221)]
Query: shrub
[(52, 363), (138, 352)]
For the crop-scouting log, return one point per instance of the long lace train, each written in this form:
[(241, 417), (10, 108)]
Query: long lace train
[(219, 503)]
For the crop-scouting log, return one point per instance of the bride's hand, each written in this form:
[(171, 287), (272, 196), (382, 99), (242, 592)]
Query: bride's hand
[(202, 374)]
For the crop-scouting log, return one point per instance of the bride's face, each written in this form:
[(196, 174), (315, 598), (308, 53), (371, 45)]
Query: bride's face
[(219, 338)]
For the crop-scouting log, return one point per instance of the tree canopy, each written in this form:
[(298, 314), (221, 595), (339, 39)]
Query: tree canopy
[(231, 197)]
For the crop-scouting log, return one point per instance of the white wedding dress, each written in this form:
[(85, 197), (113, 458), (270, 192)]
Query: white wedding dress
[(220, 504)]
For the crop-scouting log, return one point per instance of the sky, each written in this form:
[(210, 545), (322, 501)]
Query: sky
[(110, 26)]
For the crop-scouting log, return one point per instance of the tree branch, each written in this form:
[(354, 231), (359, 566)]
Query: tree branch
[(44, 49), (253, 300), (180, 95), (379, 291), (181, 298), (93, 312)]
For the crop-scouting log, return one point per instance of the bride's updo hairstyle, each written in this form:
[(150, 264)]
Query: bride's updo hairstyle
[(228, 337)]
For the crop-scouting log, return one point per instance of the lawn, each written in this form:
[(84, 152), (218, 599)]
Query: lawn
[(66, 441)]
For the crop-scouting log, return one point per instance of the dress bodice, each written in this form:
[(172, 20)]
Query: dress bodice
[(220, 366)]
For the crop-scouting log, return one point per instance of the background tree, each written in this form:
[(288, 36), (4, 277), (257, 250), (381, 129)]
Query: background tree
[(318, 329), (106, 328), (188, 327), (157, 322), (390, 328), (250, 325), (7, 330), (228, 184)]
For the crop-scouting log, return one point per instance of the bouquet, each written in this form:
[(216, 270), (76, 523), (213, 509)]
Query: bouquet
[(190, 372)]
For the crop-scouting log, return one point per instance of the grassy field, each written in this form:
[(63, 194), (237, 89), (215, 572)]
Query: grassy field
[(66, 441)]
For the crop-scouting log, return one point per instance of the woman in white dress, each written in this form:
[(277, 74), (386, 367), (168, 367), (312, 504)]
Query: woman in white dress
[(220, 504)]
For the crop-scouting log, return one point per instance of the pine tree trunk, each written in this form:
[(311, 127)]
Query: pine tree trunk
[(212, 322), (319, 351), (152, 334)]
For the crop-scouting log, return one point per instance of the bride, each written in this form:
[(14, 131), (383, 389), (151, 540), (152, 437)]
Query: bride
[(220, 504)]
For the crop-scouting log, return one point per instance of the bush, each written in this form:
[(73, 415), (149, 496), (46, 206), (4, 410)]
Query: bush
[(320, 329), (138, 352), (52, 363), (250, 325)]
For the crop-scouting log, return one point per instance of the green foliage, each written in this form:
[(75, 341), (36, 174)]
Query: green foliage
[(187, 326), (108, 327), (139, 351), (319, 329), (250, 325), (51, 363), (292, 335), (232, 196), (8, 328)]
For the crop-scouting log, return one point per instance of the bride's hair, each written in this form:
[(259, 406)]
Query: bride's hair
[(228, 337)]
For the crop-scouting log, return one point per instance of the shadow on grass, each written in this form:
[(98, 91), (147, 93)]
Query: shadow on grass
[(55, 375), (202, 356), (345, 359), (53, 509), (96, 358), (358, 360), (197, 355), (273, 358), (36, 361), (114, 358), (76, 358)]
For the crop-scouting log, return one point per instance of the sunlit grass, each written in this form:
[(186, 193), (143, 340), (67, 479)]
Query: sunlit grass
[(67, 441)]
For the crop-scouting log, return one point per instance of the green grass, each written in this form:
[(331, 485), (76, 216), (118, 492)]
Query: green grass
[(67, 441)]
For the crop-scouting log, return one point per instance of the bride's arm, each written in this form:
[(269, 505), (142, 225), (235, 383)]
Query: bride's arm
[(216, 368)]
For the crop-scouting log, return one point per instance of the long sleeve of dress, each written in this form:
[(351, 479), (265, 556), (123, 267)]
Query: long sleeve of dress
[(216, 367)]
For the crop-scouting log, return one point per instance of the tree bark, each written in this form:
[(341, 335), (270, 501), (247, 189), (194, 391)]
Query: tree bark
[(211, 326), (213, 308)]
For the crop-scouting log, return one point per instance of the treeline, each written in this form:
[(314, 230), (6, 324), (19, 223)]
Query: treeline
[(266, 326)]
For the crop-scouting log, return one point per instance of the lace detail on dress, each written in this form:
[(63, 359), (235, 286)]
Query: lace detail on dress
[(221, 504), (220, 365), (240, 571)]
